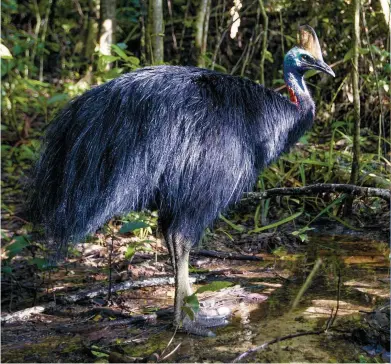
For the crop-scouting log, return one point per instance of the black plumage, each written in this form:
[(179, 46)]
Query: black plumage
[(189, 141)]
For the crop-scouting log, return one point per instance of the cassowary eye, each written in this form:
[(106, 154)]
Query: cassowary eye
[(306, 58)]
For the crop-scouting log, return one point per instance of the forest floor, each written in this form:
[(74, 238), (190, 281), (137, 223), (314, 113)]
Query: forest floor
[(67, 316)]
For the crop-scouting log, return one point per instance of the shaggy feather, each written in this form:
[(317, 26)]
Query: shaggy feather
[(187, 140)]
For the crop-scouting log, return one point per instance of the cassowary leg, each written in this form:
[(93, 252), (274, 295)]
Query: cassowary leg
[(182, 284), (201, 322), (170, 246)]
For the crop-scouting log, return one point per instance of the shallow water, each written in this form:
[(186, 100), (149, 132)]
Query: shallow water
[(360, 264)]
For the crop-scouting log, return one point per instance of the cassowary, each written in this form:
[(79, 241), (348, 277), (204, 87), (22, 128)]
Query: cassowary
[(187, 140)]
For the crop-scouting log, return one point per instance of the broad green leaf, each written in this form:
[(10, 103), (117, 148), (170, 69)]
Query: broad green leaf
[(57, 98), (363, 50), (119, 52), (214, 286), (134, 60), (17, 246), (132, 225), (108, 59), (192, 303), (130, 251), (41, 263)]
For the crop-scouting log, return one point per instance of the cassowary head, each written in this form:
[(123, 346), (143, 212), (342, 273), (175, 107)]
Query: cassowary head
[(307, 54)]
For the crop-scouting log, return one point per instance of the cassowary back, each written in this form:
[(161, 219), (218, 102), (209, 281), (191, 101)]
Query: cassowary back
[(187, 140)]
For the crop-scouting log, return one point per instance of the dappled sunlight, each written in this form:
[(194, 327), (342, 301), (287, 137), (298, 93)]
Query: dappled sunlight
[(374, 288), (324, 308)]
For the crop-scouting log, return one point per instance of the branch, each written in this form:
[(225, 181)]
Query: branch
[(226, 255), (320, 188), (266, 344), (148, 282)]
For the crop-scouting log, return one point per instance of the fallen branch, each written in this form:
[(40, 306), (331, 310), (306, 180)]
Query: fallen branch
[(25, 314), (78, 328), (321, 188), (149, 282), (266, 344), (225, 255)]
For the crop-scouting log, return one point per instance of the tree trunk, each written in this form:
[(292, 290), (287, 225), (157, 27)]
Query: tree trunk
[(200, 37), (356, 95), (205, 31), (356, 103), (385, 5), (264, 43), (107, 26), (90, 37), (143, 34), (157, 31)]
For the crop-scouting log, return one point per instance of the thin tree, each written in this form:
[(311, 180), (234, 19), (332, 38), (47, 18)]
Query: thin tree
[(107, 26), (356, 94), (201, 26), (264, 42), (354, 175), (157, 31)]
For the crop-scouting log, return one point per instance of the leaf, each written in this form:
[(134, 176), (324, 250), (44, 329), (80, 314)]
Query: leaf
[(278, 223), (214, 286), (57, 98), (280, 251), (189, 312), (108, 59), (17, 246), (117, 50), (363, 50), (41, 263), (232, 225), (130, 251), (133, 60), (122, 45), (311, 73), (6, 270), (27, 153), (5, 52), (192, 301), (98, 354), (132, 225), (269, 57), (348, 56)]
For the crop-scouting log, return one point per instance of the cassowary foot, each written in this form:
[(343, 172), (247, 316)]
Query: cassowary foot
[(206, 319)]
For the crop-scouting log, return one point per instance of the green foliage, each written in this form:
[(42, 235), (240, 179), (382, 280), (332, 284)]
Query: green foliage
[(41, 263), (132, 225), (191, 303), (214, 286), (278, 223), (48, 61), (139, 223), (16, 246)]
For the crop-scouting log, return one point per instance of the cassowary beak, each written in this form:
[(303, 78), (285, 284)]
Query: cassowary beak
[(323, 67)]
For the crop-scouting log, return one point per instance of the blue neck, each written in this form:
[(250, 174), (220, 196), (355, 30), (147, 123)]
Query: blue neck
[(294, 79)]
